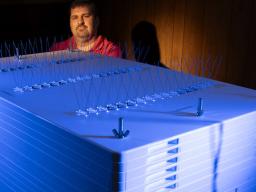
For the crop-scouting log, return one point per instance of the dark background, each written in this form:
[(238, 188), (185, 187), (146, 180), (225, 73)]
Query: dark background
[(27, 20), (220, 34)]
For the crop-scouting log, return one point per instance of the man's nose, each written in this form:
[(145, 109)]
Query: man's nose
[(81, 20)]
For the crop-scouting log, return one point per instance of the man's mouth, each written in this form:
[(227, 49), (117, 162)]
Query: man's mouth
[(81, 27)]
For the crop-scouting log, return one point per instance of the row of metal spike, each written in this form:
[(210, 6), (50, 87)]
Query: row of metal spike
[(77, 79), (143, 100)]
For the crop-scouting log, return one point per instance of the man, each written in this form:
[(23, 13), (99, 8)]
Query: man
[(84, 22)]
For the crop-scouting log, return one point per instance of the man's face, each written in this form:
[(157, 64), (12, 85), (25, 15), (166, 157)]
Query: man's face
[(83, 23)]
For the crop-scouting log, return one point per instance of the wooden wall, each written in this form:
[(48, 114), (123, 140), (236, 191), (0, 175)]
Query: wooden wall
[(219, 34)]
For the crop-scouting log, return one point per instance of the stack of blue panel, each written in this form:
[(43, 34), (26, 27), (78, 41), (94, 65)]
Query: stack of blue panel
[(58, 111)]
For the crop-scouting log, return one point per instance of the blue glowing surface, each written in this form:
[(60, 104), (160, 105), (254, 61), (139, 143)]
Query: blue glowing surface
[(166, 124)]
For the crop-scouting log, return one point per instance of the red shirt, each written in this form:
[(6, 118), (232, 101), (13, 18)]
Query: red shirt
[(101, 46)]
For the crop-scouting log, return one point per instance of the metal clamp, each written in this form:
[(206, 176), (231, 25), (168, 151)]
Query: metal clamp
[(121, 133)]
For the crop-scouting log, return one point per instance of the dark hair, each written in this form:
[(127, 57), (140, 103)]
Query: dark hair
[(91, 3)]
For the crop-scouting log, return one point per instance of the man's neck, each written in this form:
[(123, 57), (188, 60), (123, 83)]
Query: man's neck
[(85, 44)]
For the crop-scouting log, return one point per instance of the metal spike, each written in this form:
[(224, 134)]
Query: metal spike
[(200, 110)]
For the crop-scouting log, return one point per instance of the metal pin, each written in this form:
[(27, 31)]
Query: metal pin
[(200, 110), (121, 133), (17, 54), (121, 126)]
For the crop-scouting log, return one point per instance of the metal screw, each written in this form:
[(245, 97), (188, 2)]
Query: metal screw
[(121, 133), (200, 110)]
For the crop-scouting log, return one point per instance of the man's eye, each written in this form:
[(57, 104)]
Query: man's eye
[(74, 17)]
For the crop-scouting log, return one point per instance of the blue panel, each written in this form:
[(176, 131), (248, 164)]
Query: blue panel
[(58, 112)]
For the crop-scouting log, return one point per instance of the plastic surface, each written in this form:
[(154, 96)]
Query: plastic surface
[(58, 111)]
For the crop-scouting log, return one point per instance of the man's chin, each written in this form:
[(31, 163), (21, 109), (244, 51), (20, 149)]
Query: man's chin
[(83, 36)]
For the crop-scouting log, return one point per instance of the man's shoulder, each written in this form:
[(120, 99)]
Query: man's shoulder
[(107, 47), (109, 43)]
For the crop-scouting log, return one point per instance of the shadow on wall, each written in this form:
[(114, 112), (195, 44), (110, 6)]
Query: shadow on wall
[(145, 43)]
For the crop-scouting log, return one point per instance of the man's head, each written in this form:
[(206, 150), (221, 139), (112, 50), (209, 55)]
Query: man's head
[(84, 20)]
